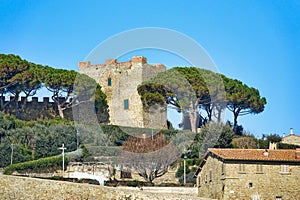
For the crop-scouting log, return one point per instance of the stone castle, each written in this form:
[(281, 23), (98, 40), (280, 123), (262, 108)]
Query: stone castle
[(119, 81)]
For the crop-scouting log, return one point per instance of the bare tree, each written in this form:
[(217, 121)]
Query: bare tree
[(148, 157)]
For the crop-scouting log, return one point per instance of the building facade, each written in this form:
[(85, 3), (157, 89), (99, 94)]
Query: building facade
[(249, 174), (292, 138), (119, 81)]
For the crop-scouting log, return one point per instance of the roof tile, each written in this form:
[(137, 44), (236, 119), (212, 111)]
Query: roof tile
[(256, 154)]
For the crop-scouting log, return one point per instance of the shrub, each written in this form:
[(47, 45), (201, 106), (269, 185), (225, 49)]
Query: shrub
[(48, 164)]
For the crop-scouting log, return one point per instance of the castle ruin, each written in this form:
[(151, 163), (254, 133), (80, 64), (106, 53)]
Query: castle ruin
[(119, 81)]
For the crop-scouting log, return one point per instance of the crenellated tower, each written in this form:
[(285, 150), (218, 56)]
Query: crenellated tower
[(119, 81)]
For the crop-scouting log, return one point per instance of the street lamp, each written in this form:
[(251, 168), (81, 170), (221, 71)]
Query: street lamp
[(184, 170), (63, 156)]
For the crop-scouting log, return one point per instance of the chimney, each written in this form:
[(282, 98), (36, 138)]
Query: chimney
[(266, 153), (297, 153), (291, 131)]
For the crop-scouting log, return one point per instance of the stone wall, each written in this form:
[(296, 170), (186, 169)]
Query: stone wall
[(16, 188), (245, 180), (210, 180), (119, 81), (34, 109), (291, 139)]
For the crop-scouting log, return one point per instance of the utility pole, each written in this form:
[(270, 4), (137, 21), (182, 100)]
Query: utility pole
[(184, 170), (12, 153), (63, 157)]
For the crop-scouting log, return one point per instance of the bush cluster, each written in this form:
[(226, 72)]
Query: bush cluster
[(38, 166)]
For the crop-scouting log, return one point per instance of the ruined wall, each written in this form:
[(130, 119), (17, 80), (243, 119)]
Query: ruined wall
[(119, 81)]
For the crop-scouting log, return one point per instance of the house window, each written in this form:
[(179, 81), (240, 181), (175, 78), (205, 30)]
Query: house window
[(285, 169), (241, 168), (210, 175), (259, 168), (205, 178), (278, 198), (199, 181), (250, 185), (126, 104), (109, 82), (223, 168)]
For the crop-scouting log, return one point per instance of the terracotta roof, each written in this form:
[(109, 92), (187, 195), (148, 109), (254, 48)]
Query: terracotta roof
[(256, 154), (282, 155)]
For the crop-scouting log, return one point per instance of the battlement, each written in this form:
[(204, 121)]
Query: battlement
[(114, 61), (84, 64), (139, 59), (34, 108), (45, 100)]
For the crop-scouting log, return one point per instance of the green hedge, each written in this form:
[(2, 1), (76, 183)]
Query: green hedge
[(48, 164), (104, 150)]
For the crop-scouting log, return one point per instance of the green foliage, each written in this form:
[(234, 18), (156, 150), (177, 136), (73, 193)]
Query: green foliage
[(211, 135), (189, 89), (133, 183), (69, 88), (191, 166), (242, 100), (180, 171), (274, 138), (77, 155), (32, 140), (245, 142), (48, 164), (190, 180), (104, 150), (287, 146), (114, 133)]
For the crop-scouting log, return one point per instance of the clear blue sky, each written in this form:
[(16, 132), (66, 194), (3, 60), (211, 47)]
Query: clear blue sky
[(257, 42)]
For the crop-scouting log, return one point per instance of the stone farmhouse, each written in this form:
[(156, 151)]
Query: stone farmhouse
[(119, 81), (291, 139), (249, 174)]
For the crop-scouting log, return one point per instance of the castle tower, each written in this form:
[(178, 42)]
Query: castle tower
[(119, 81)]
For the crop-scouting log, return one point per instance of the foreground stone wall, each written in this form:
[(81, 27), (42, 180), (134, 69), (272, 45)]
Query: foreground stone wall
[(12, 187)]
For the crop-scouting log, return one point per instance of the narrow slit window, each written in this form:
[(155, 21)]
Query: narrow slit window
[(259, 168), (126, 104), (109, 82), (241, 167), (284, 168)]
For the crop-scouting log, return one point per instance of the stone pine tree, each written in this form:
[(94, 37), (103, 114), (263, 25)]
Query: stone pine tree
[(13, 75), (186, 89), (242, 100)]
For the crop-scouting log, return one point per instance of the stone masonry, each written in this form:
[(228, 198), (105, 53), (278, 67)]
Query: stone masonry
[(223, 178), (17, 188), (119, 81)]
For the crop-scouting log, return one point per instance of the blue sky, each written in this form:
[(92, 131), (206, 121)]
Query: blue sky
[(257, 42)]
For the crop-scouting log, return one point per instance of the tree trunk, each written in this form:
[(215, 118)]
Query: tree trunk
[(17, 106), (60, 111), (219, 113), (235, 116), (194, 117)]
